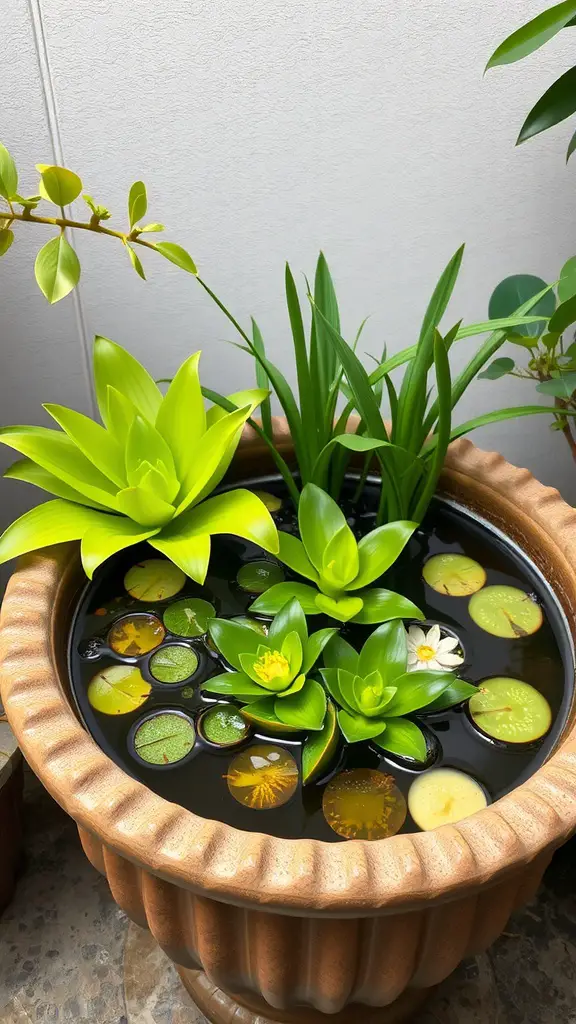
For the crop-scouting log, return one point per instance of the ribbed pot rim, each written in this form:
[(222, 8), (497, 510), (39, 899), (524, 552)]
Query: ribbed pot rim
[(246, 868)]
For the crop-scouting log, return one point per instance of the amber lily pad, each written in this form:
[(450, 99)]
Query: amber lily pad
[(137, 634), (173, 663), (364, 804), (262, 777), (156, 579), (189, 617), (257, 577), (509, 710), (164, 738), (320, 747), (223, 725), (442, 796), (117, 690), (454, 575), (505, 612)]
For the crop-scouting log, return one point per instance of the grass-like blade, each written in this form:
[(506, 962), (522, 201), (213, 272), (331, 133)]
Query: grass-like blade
[(262, 380), (498, 416), (443, 384), (308, 406)]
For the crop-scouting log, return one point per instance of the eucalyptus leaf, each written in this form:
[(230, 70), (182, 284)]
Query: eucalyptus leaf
[(561, 387), (499, 368), (557, 103), (513, 292), (534, 34)]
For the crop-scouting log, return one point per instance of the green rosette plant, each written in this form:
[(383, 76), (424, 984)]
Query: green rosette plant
[(340, 567), (271, 676), (375, 692), (144, 474)]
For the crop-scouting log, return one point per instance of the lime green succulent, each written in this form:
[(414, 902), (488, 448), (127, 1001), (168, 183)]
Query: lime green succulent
[(143, 475)]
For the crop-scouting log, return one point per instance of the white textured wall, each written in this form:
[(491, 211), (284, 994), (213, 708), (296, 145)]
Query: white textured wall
[(265, 129)]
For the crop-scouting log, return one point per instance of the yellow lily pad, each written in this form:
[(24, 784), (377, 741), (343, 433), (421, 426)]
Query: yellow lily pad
[(156, 579), (454, 575), (118, 690), (505, 612)]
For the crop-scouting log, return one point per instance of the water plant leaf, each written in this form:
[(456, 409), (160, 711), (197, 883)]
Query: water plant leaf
[(332, 680), (340, 654), (385, 651), (181, 418), (31, 473), (557, 103), (314, 647), (320, 747), (289, 619), (234, 684), (144, 506), (115, 367), (239, 512), (455, 693), (352, 442), (339, 561), (8, 174), (208, 462), (177, 255), (96, 443), (137, 202), (371, 697), (403, 737), (108, 536), (57, 269), (59, 185), (53, 522), (341, 608), (417, 689), (262, 712), (277, 596), (191, 554), (233, 639), (319, 519), (356, 728), (293, 553), (379, 549), (118, 690), (305, 709), (499, 368), (533, 35), (379, 605)]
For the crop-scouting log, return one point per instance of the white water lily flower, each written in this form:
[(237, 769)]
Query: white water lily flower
[(430, 650)]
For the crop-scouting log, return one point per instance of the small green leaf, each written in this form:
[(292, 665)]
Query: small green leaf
[(319, 519), (339, 561), (57, 269), (455, 693), (144, 506), (571, 147), (135, 261), (499, 368), (290, 619), (564, 316), (384, 605), (99, 211), (560, 387), (343, 608), (320, 748), (418, 689), (314, 647), (331, 677), (8, 174), (137, 202), (263, 713), (404, 738), (176, 254), (534, 34), (293, 553), (28, 202), (385, 651), (277, 596), (233, 684), (152, 227), (567, 282), (513, 292), (6, 239), (340, 654), (379, 549), (557, 103), (549, 341), (305, 709), (357, 728), (59, 185)]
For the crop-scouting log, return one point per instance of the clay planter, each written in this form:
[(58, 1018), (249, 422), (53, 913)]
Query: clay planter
[(265, 929)]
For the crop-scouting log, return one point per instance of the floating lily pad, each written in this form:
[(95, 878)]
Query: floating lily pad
[(454, 575), (272, 501), (189, 617), (173, 663), (165, 738), (442, 796), (246, 620), (223, 725), (510, 710), (262, 777), (136, 634), (505, 612), (257, 577), (364, 804), (320, 747), (156, 579), (117, 690), (188, 692)]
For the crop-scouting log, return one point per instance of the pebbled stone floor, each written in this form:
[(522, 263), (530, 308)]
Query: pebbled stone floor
[(68, 955)]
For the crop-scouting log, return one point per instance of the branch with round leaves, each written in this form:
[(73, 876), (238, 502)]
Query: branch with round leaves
[(57, 267)]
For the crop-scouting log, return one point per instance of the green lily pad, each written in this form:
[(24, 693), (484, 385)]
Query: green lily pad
[(165, 738), (257, 577), (510, 710), (454, 575), (505, 612), (117, 690), (173, 663), (320, 747), (223, 725), (189, 617), (156, 579)]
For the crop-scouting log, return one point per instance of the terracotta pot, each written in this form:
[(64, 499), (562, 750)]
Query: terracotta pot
[(265, 929)]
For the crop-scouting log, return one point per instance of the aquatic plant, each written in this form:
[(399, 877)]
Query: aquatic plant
[(340, 567), (271, 675), (375, 691), (144, 474)]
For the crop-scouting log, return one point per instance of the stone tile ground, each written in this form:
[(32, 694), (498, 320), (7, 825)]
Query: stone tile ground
[(68, 955)]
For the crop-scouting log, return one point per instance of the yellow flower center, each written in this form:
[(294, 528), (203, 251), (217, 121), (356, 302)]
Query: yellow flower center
[(425, 653), (270, 666)]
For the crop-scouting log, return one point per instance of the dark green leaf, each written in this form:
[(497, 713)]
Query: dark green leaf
[(384, 605), (455, 693), (571, 147), (499, 368), (567, 282), (262, 381), (513, 292), (305, 709), (561, 387), (564, 316), (534, 34), (442, 432), (404, 738), (558, 103)]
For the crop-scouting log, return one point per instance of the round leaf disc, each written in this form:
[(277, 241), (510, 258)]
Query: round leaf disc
[(442, 796), (189, 617), (505, 612), (454, 575), (262, 777), (165, 738), (133, 635), (257, 577), (156, 579), (364, 804), (510, 710), (223, 725), (117, 690), (173, 663)]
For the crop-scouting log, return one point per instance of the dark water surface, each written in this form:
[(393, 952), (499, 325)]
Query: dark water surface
[(543, 659)]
